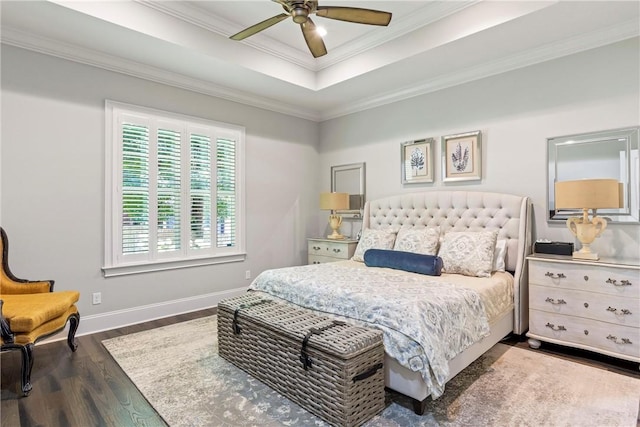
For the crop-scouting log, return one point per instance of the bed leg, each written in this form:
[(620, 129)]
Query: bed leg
[(419, 406)]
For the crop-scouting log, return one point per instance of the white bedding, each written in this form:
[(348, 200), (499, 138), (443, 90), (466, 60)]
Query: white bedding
[(496, 291), (426, 320)]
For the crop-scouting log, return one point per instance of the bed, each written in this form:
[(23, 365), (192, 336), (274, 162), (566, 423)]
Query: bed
[(434, 325)]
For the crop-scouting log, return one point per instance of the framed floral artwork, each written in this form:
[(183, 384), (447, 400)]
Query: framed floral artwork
[(417, 161), (462, 157)]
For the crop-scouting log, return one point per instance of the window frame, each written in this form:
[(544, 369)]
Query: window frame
[(114, 264)]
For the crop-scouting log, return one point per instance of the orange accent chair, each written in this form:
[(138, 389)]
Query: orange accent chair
[(30, 311)]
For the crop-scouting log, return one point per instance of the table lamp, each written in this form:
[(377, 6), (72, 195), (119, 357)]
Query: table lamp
[(334, 202), (587, 194)]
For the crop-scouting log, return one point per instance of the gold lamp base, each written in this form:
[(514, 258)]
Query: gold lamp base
[(586, 255), (586, 231), (334, 222)]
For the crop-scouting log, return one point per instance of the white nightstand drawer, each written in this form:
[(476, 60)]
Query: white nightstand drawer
[(586, 333), (323, 250), (602, 279), (319, 259), (608, 308)]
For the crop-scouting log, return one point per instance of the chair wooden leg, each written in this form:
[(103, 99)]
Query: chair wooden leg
[(74, 322), (27, 365), (26, 371)]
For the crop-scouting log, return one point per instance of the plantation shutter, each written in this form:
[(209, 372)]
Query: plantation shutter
[(135, 188), (169, 190), (226, 192), (200, 192), (172, 191)]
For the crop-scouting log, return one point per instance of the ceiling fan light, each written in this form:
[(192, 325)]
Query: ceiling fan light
[(321, 31), (300, 15)]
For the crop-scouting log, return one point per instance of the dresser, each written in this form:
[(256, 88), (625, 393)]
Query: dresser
[(592, 305), (327, 250)]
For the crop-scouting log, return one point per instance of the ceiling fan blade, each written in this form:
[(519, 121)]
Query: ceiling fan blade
[(313, 39), (259, 27), (355, 14)]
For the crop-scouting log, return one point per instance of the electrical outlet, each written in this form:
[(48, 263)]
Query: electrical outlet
[(247, 274), (97, 298)]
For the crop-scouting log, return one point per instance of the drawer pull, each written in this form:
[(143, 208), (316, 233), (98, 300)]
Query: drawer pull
[(615, 310), (553, 301), (621, 341), (556, 328), (555, 276), (614, 282), (316, 248), (337, 250)]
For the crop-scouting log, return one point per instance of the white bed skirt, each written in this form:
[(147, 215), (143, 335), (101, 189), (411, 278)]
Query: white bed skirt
[(410, 383)]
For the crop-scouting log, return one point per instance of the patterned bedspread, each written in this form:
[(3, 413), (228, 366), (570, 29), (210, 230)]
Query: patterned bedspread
[(425, 322)]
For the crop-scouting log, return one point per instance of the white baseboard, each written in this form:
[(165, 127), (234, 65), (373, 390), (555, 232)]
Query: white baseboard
[(120, 318)]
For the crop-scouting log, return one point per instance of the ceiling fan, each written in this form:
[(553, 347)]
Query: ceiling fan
[(301, 10)]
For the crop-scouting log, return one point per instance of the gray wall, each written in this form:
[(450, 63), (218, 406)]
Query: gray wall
[(51, 160), (52, 198), (516, 112)]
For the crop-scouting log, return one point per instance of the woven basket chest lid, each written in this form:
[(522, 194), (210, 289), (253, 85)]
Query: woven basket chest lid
[(339, 339)]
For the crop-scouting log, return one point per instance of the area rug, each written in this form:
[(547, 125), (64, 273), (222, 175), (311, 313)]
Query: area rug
[(179, 372)]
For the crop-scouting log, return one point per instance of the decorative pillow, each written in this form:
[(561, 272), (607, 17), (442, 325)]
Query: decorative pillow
[(373, 239), (420, 241), (468, 253), (407, 261), (499, 255)]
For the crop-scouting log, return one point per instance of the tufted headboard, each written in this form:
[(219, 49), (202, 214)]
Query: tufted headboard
[(466, 211)]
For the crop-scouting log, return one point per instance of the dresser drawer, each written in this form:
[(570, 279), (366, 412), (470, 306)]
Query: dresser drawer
[(602, 279), (608, 308), (586, 333)]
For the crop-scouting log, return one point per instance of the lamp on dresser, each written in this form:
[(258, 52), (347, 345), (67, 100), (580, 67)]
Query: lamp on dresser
[(588, 194), (334, 202)]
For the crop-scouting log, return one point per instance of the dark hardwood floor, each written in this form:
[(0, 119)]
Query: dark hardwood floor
[(87, 388)]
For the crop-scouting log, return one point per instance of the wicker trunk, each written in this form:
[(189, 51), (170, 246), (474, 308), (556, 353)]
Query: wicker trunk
[(332, 369)]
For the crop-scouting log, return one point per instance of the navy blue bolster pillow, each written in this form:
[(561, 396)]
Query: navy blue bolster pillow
[(407, 261)]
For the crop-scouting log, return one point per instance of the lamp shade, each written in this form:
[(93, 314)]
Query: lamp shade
[(334, 201), (588, 193)]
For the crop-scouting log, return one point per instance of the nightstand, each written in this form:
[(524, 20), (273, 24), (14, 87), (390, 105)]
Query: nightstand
[(327, 250), (592, 305)]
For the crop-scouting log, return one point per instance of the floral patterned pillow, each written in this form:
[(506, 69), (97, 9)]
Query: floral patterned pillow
[(468, 253), (373, 239), (419, 241)]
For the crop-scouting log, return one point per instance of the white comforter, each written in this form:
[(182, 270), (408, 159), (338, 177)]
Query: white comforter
[(425, 322)]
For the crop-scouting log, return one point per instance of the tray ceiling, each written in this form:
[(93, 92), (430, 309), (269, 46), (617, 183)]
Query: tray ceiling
[(429, 45)]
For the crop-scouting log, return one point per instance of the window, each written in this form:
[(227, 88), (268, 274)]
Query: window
[(174, 191)]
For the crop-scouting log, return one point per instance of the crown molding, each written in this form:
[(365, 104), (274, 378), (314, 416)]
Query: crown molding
[(541, 54), (197, 16), (13, 37), (423, 16)]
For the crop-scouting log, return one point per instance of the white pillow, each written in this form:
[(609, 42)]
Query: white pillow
[(418, 240), (468, 253), (499, 255), (373, 239)]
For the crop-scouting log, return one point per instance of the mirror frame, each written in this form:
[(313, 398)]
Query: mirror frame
[(625, 215), (360, 168)]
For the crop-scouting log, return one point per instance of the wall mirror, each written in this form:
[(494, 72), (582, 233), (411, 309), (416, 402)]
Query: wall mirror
[(350, 179), (605, 154)]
